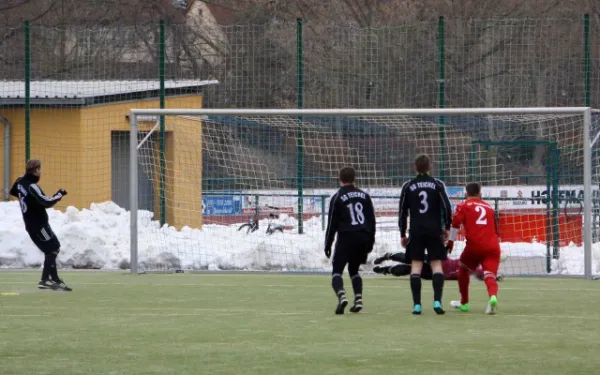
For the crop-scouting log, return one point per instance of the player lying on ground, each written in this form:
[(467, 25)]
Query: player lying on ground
[(424, 199), (482, 248), (352, 217), (33, 203), (450, 267)]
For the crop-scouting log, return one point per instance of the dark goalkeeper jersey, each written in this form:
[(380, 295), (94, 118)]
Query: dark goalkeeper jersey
[(424, 198), (350, 210), (33, 201)]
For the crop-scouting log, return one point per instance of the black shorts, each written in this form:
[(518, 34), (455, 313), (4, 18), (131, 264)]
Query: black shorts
[(418, 244), (45, 239), (352, 247)]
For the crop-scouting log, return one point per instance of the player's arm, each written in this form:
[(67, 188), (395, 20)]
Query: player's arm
[(403, 210), (13, 190), (446, 205), (332, 224), (42, 199), (373, 222)]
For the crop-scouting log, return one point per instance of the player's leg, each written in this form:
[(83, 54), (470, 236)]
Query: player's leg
[(415, 253), (357, 285), (53, 246), (437, 254), (340, 259), (40, 240), (467, 263), (359, 256), (397, 270), (490, 265), (399, 257)]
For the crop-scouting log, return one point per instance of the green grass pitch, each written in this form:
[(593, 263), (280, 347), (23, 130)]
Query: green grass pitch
[(116, 323)]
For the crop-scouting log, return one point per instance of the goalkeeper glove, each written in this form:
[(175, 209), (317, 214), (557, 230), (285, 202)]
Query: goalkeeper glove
[(449, 246), (328, 251)]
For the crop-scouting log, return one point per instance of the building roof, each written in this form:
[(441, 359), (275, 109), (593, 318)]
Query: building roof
[(80, 93)]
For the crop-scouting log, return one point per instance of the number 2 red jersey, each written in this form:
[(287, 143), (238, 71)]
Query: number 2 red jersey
[(479, 222)]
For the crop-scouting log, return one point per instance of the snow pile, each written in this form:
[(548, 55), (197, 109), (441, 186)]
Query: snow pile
[(98, 237)]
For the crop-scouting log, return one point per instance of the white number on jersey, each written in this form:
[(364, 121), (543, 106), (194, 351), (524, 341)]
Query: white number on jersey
[(423, 196), (22, 203), (356, 213), (482, 213)]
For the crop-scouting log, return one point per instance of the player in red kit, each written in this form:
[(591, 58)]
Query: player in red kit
[(482, 248)]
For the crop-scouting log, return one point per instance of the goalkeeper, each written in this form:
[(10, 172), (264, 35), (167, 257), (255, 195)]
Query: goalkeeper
[(449, 266)]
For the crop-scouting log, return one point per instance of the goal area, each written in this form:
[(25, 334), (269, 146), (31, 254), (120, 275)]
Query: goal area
[(248, 189)]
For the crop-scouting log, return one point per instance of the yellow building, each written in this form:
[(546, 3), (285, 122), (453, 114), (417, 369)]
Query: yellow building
[(80, 131)]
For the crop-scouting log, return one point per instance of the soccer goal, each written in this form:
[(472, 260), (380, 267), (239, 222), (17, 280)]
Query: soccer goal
[(248, 189)]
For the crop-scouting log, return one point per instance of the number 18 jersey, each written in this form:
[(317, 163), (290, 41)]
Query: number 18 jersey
[(479, 222), (350, 210)]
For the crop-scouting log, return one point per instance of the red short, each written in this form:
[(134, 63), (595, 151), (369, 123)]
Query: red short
[(489, 259)]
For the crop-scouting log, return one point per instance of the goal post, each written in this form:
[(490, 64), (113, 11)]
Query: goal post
[(248, 153)]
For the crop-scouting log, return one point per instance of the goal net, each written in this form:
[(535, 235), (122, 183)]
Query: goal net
[(249, 189)]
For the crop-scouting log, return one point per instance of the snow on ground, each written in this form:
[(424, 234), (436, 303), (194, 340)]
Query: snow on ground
[(98, 237)]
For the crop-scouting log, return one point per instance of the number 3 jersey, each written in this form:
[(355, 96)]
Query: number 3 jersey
[(479, 222), (33, 201), (424, 198), (350, 210)]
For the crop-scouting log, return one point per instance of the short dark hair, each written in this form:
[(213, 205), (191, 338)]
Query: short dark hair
[(32, 165), (423, 164), (347, 175), (473, 189)]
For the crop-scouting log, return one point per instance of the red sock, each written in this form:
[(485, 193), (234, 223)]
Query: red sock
[(463, 285), (491, 284)]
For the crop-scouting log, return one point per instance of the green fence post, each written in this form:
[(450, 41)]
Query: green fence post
[(161, 77), (587, 62), (555, 201), (549, 228), (257, 208), (27, 92), (300, 136), (588, 89), (497, 215), (441, 95)]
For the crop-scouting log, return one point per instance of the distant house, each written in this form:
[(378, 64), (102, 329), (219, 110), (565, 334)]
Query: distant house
[(80, 131)]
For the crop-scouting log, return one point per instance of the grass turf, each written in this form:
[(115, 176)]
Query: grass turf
[(284, 324)]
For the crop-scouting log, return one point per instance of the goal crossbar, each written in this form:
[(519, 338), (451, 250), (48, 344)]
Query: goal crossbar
[(585, 112), (362, 112)]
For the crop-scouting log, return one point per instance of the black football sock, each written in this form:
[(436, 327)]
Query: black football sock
[(53, 270), (337, 283), (357, 287), (437, 279), (47, 266), (415, 287)]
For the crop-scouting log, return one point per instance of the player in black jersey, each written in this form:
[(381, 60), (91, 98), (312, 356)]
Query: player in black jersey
[(352, 217), (33, 204), (425, 200)]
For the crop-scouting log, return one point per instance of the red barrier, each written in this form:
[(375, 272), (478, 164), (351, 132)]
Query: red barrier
[(532, 227)]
